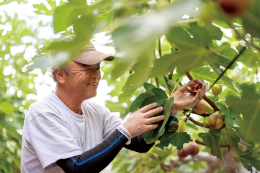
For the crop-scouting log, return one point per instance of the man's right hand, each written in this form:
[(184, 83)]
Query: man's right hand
[(141, 120)]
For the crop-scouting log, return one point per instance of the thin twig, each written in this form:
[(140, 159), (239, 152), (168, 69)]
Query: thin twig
[(202, 143), (198, 123), (159, 47), (244, 48), (243, 38), (203, 115), (157, 82)]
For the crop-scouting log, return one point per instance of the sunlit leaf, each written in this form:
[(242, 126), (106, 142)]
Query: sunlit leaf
[(249, 106), (211, 139)]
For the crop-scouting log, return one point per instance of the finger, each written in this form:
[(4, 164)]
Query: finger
[(204, 89), (183, 88), (148, 107), (154, 119), (151, 127), (153, 112), (196, 97)]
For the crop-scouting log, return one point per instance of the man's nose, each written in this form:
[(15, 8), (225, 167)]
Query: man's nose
[(95, 74)]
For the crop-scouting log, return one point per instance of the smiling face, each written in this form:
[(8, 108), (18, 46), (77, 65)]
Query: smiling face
[(82, 81)]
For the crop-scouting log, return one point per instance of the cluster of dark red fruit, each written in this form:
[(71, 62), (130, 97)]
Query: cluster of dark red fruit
[(192, 150)]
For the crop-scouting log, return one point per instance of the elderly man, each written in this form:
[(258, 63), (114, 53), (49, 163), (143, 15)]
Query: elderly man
[(65, 132)]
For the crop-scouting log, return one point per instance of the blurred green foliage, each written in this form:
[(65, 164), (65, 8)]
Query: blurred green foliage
[(152, 39)]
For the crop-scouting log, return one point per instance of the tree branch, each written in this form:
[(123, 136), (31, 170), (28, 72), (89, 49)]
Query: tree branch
[(203, 115), (198, 123), (223, 145), (213, 163), (202, 125)]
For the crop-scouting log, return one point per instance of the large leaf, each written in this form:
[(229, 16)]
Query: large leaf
[(174, 138), (64, 15), (193, 52), (211, 139), (249, 106), (139, 100), (140, 33), (232, 137), (251, 21), (162, 100), (247, 159)]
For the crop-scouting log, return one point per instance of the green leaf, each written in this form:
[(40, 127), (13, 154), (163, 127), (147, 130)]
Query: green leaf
[(127, 94), (162, 100), (215, 32), (246, 158), (229, 114), (227, 81), (138, 101), (64, 15), (211, 139), (249, 106), (6, 107), (193, 51), (175, 138), (231, 137), (140, 33), (167, 110), (251, 21)]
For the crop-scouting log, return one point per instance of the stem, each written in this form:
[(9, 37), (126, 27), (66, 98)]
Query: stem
[(198, 123), (204, 126), (232, 153), (244, 48), (202, 143), (170, 76), (203, 115), (157, 82), (176, 85), (241, 145), (243, 38), (159, 47)]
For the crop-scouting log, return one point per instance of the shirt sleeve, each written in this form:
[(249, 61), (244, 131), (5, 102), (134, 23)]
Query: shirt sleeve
[(111, 122), (51, 139)]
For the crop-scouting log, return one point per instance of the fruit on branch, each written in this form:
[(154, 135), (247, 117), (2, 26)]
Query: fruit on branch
[(183, 152), (235, 8), (215, 120), (172, 126), (202, 107), (193, 149), (216, 90), (194, 85), (182, 126)]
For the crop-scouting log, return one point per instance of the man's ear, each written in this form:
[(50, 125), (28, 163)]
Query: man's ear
[(60, 75)]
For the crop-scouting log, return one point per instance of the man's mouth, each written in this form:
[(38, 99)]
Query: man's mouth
[(93, 84)]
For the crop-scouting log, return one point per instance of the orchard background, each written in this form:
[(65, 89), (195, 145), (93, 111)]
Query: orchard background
[(160, 45)]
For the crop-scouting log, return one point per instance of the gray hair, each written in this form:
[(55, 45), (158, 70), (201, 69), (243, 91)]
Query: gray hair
[(53, 75)]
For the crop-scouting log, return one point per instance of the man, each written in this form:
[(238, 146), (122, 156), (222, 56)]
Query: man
[(65, 132)]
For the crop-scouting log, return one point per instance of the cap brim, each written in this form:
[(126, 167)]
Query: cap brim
[(93, 57)]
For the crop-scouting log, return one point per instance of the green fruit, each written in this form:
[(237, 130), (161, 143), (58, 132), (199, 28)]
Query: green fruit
[(216, 90), (172, 126), (215, 120), (182, 126)]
